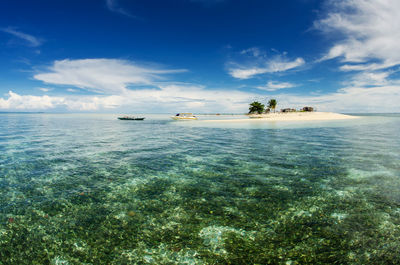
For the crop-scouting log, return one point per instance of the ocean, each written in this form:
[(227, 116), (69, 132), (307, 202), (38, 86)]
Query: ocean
[(91, 189)]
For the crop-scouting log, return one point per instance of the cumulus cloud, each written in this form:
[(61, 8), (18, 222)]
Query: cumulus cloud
[(273, 65), (368, 31), (29, 39), (274, 85), (28, 102), (110, 76)]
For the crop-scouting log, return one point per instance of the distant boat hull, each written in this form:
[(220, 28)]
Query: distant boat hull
[(130, 119), (184, 117), (177, 118)]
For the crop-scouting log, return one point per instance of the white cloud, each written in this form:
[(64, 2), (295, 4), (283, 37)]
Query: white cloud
[(254, 51), (274, 65), (45, 89), (113, 6), (365, 66), (366, 91), (190, 98), (28, 102), (374, 99), (110, 76), (280, 65), (369, 32), (274, 85), (243, 73), (367, 79), (29, 39), (167, 98)]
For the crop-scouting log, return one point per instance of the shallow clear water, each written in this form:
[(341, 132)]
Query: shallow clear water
[(92, 189)]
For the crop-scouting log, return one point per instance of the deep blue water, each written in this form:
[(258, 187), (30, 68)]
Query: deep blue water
[(88, 188)]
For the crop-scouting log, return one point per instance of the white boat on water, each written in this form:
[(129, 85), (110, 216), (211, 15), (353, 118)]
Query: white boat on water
[(184, 117)]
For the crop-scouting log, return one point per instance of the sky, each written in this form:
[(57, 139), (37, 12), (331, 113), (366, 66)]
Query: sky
[(200, 56)]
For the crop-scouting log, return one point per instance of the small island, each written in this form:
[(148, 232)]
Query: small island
[(258, 111)]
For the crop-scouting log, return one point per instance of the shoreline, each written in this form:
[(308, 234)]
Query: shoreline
[(291, 116)]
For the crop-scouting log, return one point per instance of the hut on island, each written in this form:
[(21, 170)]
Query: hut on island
[(308, 109), (288, 110)]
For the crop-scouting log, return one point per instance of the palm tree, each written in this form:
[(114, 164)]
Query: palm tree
[(272, 104), (256, 107)]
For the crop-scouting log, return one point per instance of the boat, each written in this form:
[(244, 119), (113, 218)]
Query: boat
[(126, 118), (184, 117)]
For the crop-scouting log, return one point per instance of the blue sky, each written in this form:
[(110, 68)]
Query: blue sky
[(199, 55)]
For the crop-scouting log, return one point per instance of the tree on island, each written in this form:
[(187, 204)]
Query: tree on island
[(256, 107), (272, 104)]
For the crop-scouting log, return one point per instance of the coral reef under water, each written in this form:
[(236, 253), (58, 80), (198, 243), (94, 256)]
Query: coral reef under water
[(298, 196)]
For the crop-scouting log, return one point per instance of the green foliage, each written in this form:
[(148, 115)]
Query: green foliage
[(272, 104), (256, 107)]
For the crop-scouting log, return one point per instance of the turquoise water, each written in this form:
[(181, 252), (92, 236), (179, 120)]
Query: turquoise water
[(90, 189)]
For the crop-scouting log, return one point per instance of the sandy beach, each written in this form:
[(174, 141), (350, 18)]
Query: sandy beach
[(293, 116)]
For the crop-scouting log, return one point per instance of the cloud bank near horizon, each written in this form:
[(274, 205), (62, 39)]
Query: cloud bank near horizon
[(183, 98)]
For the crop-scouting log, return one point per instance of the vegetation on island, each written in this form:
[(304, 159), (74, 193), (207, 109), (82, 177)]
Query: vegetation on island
[(256, 107), (272, 104), (259, 108)]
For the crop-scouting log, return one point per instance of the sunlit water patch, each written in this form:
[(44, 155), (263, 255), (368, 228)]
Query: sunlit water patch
[(92, 189)]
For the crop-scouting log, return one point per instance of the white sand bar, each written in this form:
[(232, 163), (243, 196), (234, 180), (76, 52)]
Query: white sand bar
[(291, 116)]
